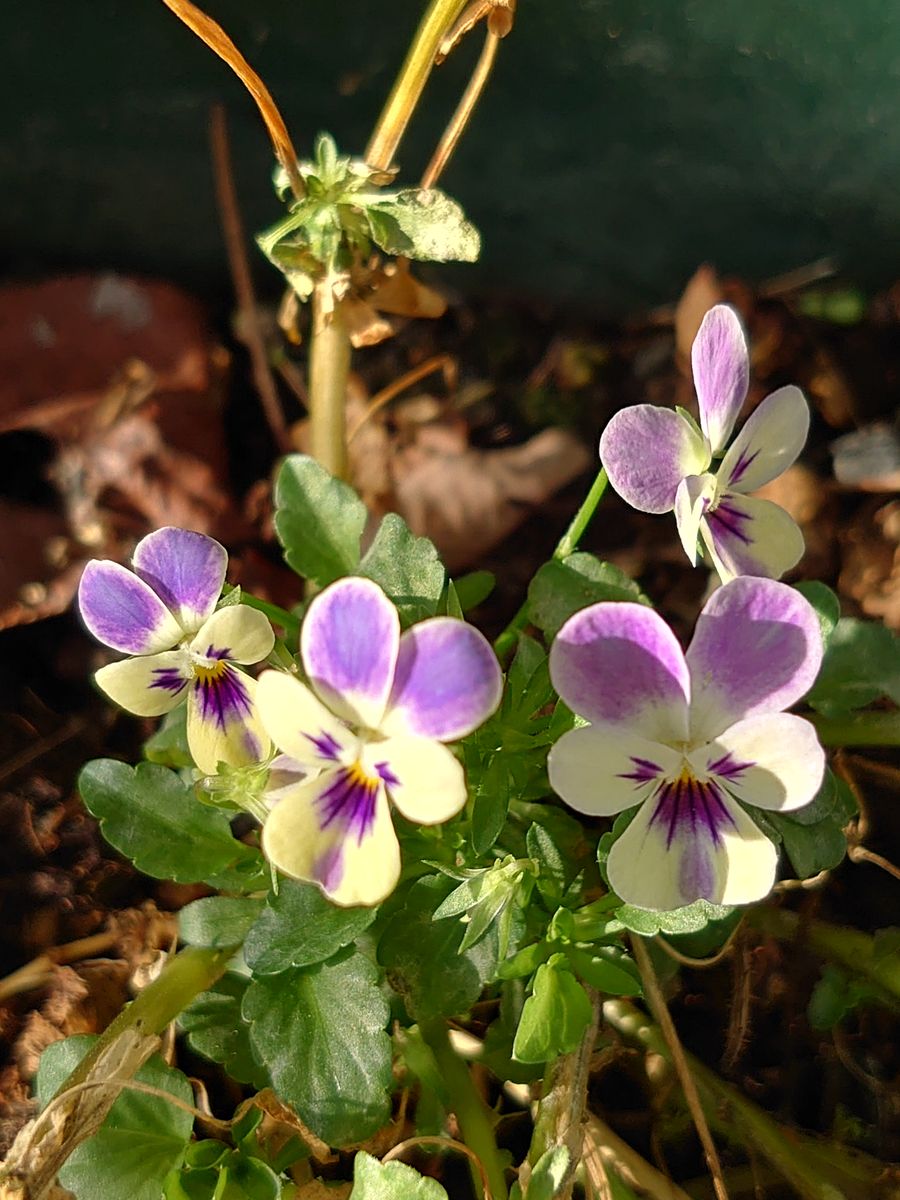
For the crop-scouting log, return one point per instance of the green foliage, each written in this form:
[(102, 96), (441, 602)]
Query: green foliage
[(215, 1029), (213, 1171), (836, 995), (473, 589), (299, 927), (861, 664), (319, 520), (142, 1139), (149, 814), (407, 568), (320, 1032), (373, 1180), (423, 954), (217, 920), (555, 1015), (548, 1174), (168, 745), (423, 223), (813, 836), (690, 919), (561, 588), (826, 604)]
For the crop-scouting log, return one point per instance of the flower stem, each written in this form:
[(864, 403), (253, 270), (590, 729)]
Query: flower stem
[(471, 1112), (858, 729), (560, 1116), (411, 81), (329, 366), (185, 976), (506, 641)]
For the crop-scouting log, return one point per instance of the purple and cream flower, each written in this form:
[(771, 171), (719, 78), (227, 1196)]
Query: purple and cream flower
[(369, 727), (689, 737), (163, 613), (658, 459)]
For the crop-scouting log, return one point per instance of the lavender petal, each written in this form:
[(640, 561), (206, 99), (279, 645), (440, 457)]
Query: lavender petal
[(647, 451), (185, 569), (721, 368), (123, 612)]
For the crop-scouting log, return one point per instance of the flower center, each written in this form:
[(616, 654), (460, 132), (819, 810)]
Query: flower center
[(688, 805), (350, 800), (209, 673)]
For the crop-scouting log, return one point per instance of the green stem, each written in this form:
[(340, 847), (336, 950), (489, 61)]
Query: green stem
[(560, 1115), (472, 1113), (849, 948), (329, 366), (859, 729), (817, 1171), (411, 81), (506, 641), (185, 976)]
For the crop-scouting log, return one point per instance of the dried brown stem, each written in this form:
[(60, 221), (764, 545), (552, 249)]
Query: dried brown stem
[(439, 362), (239, 266), (660, 1010), (463, 113)]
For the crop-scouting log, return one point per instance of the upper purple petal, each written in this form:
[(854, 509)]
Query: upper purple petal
[(721, 368), (123, 612), (620, 664), (647, 451), (448, 681), (757, 648), (185, 569), (349, 645)]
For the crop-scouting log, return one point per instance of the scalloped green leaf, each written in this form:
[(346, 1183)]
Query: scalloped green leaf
[(423, 223), (319, 520), (152, 817), (299, 927), (407, 567)]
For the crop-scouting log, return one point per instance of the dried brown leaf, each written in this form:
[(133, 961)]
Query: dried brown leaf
[(702, 292)]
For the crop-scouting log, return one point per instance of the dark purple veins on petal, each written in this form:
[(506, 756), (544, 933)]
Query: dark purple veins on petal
[(350, 800), (740, 467), (685, 805), (170, 679), (387, 775), (730, 520), (644, 770), (326, 745), (728, 767), (223, 695)]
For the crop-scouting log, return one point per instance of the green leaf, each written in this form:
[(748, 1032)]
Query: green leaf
[(149, 814), (548, 1174), (373, 1180), (320, 1032), (490, 804), (835, 996), (690, 919), (862, 662), (606, 968), (142, 1139), (826, 604), (423, 223), (555, 1015), (473, 589), (299, 927), (319, 520), (217, 920), (215, 1029), (561, 588), (407, 568), (422, 956), (813, 836), (168, 745)]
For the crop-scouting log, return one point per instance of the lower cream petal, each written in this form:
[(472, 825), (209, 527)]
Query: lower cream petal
[(336, 832), (773, 761), (223, 725), (666, 859), (147, 686), (423, 778)]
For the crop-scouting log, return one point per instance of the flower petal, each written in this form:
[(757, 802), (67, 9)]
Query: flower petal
[(647, 451), (447, 682), (601, 772), (423, 778), (757, 648), (147, 686), (721, 368), (772, 761), (223, 724), (299, 723), (771, 439), (620, 664), (663, 865), (185, 569), (695, 494), (237, 632), (350, 850), (748, 536), (121, 611), (349, 645), (284, 775)]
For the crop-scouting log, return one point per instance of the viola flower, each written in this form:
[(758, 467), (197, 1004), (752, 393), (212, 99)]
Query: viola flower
[(164, 614), (658, 459), (690, 738), (369, 727)]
